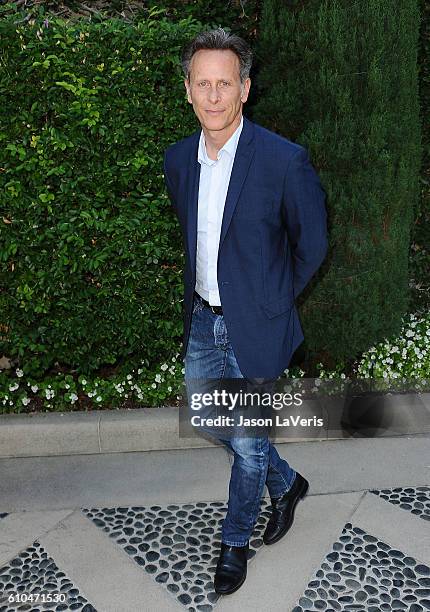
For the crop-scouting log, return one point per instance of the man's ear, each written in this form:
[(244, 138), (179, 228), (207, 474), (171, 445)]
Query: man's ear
[(188, 88), (245, 89)]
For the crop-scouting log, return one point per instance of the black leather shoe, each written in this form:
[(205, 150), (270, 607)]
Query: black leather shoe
[(231, 568), (283, 510)]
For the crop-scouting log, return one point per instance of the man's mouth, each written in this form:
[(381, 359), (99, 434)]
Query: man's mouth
[(214, 112)]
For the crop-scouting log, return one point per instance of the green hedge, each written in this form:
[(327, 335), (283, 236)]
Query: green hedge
[(90, 252), (420, 247), (346, 87)]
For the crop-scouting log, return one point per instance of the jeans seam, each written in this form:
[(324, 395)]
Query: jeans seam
[(282, 477), (263, 475), (224, 363)]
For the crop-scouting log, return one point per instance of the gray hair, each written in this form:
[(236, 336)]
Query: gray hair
[(222, 40)]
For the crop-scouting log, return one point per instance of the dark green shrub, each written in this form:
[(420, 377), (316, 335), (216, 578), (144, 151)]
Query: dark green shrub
[(341, 79), (420, 247)]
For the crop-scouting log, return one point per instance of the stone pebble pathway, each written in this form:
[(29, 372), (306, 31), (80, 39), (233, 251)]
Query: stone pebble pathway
[(177, 545)]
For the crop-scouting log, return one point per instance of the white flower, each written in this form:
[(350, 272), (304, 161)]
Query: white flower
[(154, 386), (34, 388), (84, 382), (169, 389), (139, 371), (98, 398), (164, 367), (73, 398), (409, 333), (19, 373), (25, 401), (14, 387), (158, 378), (67, 386), (129, 376)]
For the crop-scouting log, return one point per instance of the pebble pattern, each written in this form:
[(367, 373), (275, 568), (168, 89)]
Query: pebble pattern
[(32, 572), (414, 499), (177, 545), (364, 574)]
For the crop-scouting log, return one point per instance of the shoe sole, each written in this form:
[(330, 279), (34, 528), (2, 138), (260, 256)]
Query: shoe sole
[(301, 495), (233, 590)]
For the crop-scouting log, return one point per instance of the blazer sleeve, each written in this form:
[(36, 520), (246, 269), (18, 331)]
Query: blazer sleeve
[(305, 217), (169, 186)]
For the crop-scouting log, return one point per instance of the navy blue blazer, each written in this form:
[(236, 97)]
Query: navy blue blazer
[(273, 240)]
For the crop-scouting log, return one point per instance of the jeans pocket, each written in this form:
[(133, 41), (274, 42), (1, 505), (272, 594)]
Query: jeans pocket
[(197, 305)]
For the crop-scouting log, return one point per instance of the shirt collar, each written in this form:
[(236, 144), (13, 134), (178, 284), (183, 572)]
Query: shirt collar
[(230, 146)]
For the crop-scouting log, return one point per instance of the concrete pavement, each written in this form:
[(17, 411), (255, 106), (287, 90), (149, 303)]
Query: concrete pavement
[(140, 531)]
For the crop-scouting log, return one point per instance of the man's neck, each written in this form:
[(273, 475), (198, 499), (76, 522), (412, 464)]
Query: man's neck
[(216, 139)]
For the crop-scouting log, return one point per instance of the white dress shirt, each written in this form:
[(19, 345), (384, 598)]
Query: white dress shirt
[(213, 186)]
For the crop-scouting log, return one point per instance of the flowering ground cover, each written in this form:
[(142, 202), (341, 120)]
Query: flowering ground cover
[(405, 358)]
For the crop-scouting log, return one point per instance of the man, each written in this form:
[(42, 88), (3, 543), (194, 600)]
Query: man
[(253, 218)]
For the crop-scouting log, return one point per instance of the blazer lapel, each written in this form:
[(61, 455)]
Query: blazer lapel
[(192, 201), (242, 160)]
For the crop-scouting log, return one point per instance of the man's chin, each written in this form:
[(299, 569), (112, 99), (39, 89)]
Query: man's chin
[(214, 124)]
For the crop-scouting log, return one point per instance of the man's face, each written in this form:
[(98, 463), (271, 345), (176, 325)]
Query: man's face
[(215, 89)]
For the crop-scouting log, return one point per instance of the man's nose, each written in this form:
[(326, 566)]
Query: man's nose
[(213, 94)]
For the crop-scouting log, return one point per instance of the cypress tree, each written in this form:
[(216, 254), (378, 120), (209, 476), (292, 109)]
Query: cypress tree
[(340, 78)]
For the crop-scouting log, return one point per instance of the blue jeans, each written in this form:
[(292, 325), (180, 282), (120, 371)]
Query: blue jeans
[(256, 461)]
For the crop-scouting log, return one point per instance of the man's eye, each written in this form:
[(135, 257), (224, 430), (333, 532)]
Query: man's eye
[(224, 83), (202, 83)]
